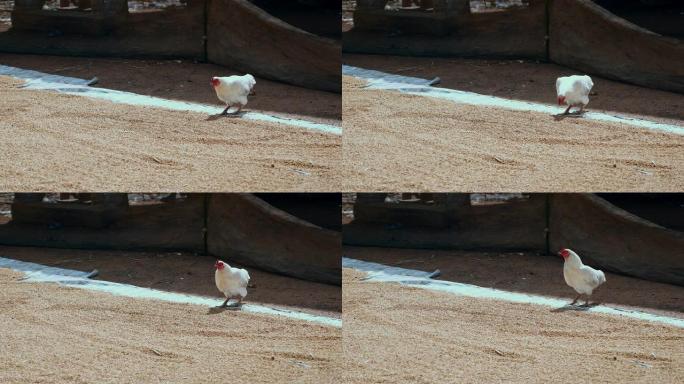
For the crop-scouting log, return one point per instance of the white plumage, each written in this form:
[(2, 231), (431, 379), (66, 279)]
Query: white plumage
[(573, 91), (582, 278), (233, 90), (232, 282)]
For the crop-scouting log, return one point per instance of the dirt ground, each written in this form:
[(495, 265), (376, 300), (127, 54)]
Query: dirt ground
[(400, 334), (399, 142), (57, 142), (184, 80), (528, 80), (186, 273), (527, 273), (54, 334)]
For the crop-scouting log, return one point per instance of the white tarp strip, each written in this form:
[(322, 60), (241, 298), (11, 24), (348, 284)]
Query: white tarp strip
[(77, 279), (419, 279), (73, 86), (422, 87)]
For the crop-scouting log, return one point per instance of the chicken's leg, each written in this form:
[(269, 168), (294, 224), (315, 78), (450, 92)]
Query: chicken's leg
[(236, 304), (233, 113), (567, 110), (225, 111), (225, 303), (576, 298)]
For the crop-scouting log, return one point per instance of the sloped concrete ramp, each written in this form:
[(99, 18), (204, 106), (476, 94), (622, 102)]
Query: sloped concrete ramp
[(615, 239), (244, 37)]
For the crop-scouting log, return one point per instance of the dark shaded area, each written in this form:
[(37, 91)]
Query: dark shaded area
[(665, 209), (108, 223), (320, 17), (183, 80), (604, 234), (577, 33), (242, 35), (168, 33), (185, 273), (322, 209), (251, 231), (665, 17), (450, 31), (242, 227), (450, 222), (261, 41), (526, 80), (527, 272)]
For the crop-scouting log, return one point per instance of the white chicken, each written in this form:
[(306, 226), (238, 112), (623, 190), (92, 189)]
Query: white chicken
[(232, 282), (582, 278), (573, 91), (233, 90)]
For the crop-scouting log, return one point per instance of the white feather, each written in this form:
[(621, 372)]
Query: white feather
[(575, 89), (234, 89), (232, 281), (582, 278)]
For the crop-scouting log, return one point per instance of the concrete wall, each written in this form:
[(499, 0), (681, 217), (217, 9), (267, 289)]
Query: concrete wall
[(235, 227), (169, 34), (246, 229), (581, 35), (614, 239), (518, 225), (514, 33), (604, 235), (588, 38), (176, 225), (233, 33), (244, 37)]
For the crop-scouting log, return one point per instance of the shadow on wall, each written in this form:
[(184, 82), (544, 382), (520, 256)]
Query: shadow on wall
[(217, 31), (523, 272), (243, 227), (604, 233), (576, 33), (182, 272)]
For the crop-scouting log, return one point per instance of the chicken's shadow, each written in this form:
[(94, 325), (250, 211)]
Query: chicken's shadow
[(570, 307), (220, 115), (562, 116), (217, 310)]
